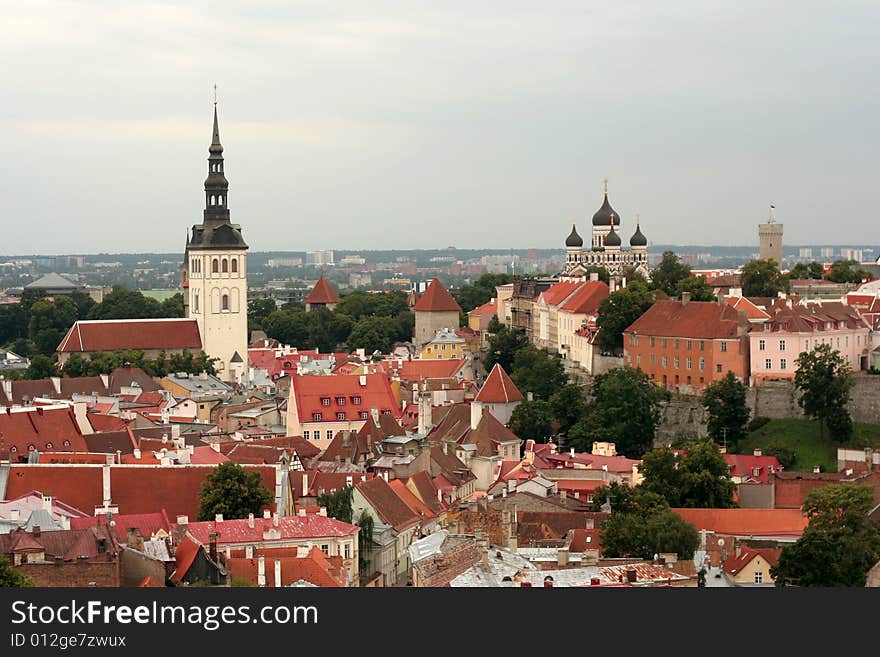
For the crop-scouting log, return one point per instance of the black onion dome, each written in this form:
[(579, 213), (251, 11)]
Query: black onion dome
[(612, 238), (638, 239), (605, 214), (574, 240)]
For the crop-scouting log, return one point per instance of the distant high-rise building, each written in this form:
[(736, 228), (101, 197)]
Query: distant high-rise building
[(318, 258), (827, 252), (852, 254), (770, 240), (805, 253)]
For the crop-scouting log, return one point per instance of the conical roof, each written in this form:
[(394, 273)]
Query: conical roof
[(498, 388), (322, 293), (436, 299)]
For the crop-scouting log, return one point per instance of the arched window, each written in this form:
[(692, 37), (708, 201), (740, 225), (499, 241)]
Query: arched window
[(219, 199), (196, 302), (225, 266), (215, 265), (225, 302), (235, 265)]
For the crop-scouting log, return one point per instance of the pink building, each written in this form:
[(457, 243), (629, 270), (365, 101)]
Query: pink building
[(790, 331)]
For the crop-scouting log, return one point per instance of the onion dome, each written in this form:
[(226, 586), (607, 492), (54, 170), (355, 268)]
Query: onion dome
[(574, 240), (605, 214), (638, 239), (612, 238)]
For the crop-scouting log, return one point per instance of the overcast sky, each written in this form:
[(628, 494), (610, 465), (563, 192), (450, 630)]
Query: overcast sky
[(414, 124)]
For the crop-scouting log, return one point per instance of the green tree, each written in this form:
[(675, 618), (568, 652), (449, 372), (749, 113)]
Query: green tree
[(372, 334), (725, 402), (846, 271), (480, 291), (172, 306), (338, 503), (258, 311), (123, 303), (625, 410), (697, 477), (803, 270), (620, 309), (762, 278), (839, 545), (532, 420), (641, 524), (50, 321), (233, 491), (824, 380), (41, 367), (604, 274), (538, 372), (503, 347), (10, 577), (668, 273), (568, 406), (697, 286)]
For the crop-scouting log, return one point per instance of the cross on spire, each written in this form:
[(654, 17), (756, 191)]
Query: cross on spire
[(215, 94), (605, 184)]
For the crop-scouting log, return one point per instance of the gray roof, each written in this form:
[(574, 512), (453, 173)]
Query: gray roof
[(53, 281)]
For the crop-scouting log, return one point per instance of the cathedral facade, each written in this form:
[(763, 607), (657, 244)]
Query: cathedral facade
[(605, 249)]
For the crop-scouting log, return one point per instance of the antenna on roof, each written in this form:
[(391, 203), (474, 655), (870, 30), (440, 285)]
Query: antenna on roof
[(772, 219)]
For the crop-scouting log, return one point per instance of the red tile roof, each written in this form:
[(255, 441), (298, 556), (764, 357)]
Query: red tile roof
[(747, 522), (204, 455), (117, 334), (308, 391), (79, 486), (148, 524), (695, 319), (586, 298), (322, 293), (436, 299), (391, 509), (316, 568), (414, 503), (750, 309), (498, 388), (417, 370), (309, 526), (46, 429), (184, 556), (735, 564), (101, 422), (581, 540), (744, 466), (489, 308)]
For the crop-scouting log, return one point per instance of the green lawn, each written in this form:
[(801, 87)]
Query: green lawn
[(803, 437)]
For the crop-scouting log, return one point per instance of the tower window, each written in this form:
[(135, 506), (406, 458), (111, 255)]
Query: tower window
[(215, 265), (235, 265), (224, 303), (224, 266)]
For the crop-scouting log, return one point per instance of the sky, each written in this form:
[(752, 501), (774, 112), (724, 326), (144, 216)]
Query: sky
[(411, 124)]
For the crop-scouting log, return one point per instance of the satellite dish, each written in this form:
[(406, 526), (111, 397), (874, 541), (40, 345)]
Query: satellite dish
[(721, 542)]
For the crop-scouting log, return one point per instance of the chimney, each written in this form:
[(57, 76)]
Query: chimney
[(14, 515), (562, 557), (251, 520), (36, 531), (275, 519), (301, 512), (47, 503), (757, 451), (249, 551), (212, 546), (476, 414), (267, 514), (218, 517), (277, 573), (305, 488), (685, 298), (261, 570), (817, 469), (137, 454), (594, 276), (183, 520), (322, 511)]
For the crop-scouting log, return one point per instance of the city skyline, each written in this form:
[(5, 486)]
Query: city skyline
[(412, 128)]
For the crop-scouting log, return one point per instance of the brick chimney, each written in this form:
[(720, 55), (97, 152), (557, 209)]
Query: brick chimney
[(476, 414), (251, 520), (261, 570), (212, 545), (685, 298), (757, 451), (277, 573)]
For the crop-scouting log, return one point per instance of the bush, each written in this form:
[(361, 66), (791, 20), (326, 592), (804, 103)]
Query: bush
[(785, 455), (757, 422)]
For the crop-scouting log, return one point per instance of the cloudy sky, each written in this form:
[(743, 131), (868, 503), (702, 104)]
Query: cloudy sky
[(411, 124)]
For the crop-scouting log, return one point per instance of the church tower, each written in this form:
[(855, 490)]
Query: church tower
[(215, 273)]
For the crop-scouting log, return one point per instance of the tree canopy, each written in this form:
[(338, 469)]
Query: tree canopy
[(669, 273), (725, 402), (803, 270), (839, 546), (762, 278), (10, 577), (697, 287), (537, 372), (697, 477), (532, 420), (620, 309), (480, 291), (503, 347), (846, 271), (233, 491), (823, 378)]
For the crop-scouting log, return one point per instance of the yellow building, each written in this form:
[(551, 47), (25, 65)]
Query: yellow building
[(751, 566), (445, 344)]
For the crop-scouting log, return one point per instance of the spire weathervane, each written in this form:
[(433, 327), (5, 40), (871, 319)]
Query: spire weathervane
[(605, 184), (215, 94)]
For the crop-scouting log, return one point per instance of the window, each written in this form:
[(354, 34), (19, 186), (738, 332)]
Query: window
[(702, 345), (224, 303), (664, 361), (329, 434), (196, 302), (782, 363), (702, 364), (340, 416), (652, 341), (689, 363), (638, 359), (340, 401), (235, 265), (215, 266), (386, 411), (325, 401), (761, 345), (66, 443), (675, 362), (723, 346), (364, 415), (759, 577), (845, 341), (653, 359), (316, 417), (325, 549), (768, 364), (356, 400), (690, 344), (48, 445), (307, 434), (348, 550), (224, 266), (838, 343), (782, 345), (663, 343), (675, 343), (807, 344), (718, 368)]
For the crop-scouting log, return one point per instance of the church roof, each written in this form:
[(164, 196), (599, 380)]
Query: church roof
[(436, 299), (498, 388), (603, 216)]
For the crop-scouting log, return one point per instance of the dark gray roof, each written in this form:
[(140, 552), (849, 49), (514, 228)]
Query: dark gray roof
[(603, 215)]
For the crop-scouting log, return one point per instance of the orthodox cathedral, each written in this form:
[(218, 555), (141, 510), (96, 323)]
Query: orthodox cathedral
[(605, 250)]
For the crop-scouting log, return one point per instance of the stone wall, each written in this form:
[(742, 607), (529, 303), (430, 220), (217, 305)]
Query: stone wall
[(779, 400), (682, 416)]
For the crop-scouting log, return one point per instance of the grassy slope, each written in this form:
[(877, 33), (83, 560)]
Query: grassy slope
[(803, 437)]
